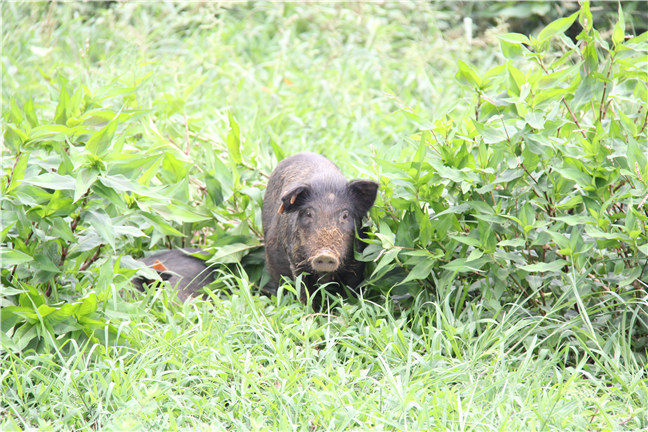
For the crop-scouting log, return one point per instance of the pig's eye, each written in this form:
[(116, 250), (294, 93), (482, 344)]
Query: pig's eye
[(344, 216), (308, 214)]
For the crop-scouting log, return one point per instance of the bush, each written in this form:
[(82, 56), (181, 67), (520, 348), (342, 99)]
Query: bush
[(510, 231), (532, 192), (535, 191), (86, 191)]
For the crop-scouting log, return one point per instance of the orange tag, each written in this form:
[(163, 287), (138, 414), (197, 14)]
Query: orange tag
[(157, 265)]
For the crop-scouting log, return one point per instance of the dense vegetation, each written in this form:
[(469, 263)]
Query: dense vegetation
[(508, 257)]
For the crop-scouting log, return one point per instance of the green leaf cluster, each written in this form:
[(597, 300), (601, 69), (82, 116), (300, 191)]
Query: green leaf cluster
[(82, 191), (535, 190)]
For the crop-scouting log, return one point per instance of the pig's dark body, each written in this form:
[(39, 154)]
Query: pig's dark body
[(320, 247), (186, 273), (289, 248)]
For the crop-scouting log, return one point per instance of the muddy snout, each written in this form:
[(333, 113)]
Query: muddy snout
[(325, 261)]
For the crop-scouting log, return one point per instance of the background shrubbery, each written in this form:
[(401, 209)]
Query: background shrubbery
[(535, 188), (511, 222)]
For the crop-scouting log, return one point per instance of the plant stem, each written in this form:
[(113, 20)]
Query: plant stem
[(13, 168), (644, 123), (565, 103), (92, 259), (603, 107)]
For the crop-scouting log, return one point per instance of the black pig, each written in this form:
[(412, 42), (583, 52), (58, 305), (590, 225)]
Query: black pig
[(186, 273), (310, 216)]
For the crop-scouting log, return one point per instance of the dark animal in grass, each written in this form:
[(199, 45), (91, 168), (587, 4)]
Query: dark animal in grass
[(187, 273), (311, 214)]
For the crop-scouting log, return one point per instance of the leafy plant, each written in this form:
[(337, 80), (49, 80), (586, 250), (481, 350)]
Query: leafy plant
[(80, 191), (536, 190), (501, 217)]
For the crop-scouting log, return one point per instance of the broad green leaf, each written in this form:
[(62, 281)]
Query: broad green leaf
[(85, 178), (465, 265), (278, 151), (152, 170), (509, 175), (644, 249), (421, 270), (121, 183), (458, 209), (386, 259), (50, 132), (585, 17), (7, 225), (535, 119), (128, 230), (640, 39), (544, 267), (102, 224), (214, 190), (178, 212), (44, 262), (514, 38), (559, 239), (53, 181), (11, 257), (558, 26), (543, 98), (18, 172), (7, 291), (575, 174), (630, 275), (61, 229), (15, 113), (100, 141), (25, 333), (63, 311), (516, 242), (557, 78), (511, 44), (231, 253), (573, 220), (109, 195), (599, 234), (25, 312), (45, 310), (467, 75), (14, 137), (492, 134), (88, 305), (92, 323), (28, 109), (60, 115), (161, 225), (449, 173), (515, 79), (466, 240)]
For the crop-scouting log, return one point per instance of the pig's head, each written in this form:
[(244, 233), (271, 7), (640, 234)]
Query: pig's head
[(324, 217)]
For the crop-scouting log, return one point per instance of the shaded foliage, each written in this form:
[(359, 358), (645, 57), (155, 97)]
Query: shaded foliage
[(533, 191)]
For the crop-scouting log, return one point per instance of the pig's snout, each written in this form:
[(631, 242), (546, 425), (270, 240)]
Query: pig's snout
[(325, 261)]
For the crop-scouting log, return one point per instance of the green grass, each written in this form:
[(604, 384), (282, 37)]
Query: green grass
[(349, 81), (251, 362)]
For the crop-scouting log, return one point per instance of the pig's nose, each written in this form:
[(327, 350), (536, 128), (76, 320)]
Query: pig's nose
[(325, 261)]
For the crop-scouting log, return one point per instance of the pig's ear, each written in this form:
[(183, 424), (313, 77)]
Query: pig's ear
[(294, 199), (363, 193)]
